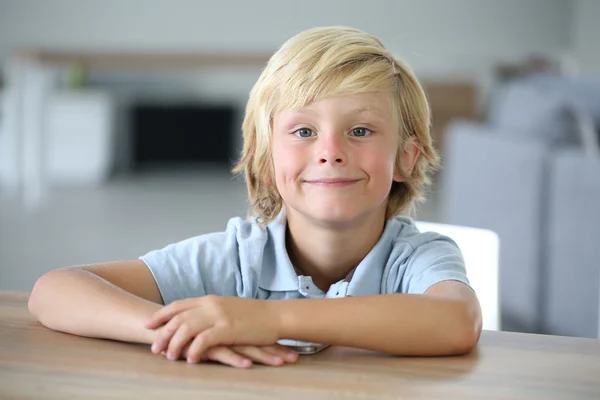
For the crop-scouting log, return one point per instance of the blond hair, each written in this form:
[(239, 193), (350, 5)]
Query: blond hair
[(327, 62)]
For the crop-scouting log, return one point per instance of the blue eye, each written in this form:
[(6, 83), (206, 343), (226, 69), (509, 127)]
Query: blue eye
[(360, 132), (304, 133)]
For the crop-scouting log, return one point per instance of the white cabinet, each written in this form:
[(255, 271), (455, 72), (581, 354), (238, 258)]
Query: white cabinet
[(77, 143), (79, 138)]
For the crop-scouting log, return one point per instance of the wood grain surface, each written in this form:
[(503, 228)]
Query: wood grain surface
[(38, 363)]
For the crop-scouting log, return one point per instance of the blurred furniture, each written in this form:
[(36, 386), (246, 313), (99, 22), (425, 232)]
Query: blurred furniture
[(496, 184), (77, 146), (572, 271), (480, 249), (36, 362), (32, 78), (531, 174), (79, 140), (449, 101), (181, 133)]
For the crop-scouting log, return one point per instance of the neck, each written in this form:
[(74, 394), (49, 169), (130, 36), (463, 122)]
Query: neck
[(328, 253)]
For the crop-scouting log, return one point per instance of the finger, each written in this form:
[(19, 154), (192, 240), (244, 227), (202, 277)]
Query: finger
[(167, 312), (201, 343), (287, 354), (182, 337), (183, 355), (184, 351), (165, 334), (259, 354), (225, 355)]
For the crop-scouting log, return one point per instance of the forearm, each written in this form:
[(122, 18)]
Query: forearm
[(396, 324), (78, 302)]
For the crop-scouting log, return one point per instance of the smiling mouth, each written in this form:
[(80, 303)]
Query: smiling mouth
[(331, 183)]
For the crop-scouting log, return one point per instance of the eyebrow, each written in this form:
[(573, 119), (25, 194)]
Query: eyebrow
[(360, 110), (373, 112), (367, 109)]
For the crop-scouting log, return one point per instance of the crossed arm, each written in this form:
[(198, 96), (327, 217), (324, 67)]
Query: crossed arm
[(444, 321), (121, 301)]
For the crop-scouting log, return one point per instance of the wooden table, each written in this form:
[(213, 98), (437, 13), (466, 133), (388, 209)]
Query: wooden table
[(39, 363)]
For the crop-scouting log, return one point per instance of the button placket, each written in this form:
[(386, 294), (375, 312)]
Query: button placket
[(307, 288), (343, 289), (337, 290)]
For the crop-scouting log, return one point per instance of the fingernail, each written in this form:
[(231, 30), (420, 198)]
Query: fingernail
[(277, 359), (154, 348), (245, 363), (171, 356)]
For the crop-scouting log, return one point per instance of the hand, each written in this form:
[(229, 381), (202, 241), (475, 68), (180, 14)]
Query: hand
[(210, 321), (244, 356)]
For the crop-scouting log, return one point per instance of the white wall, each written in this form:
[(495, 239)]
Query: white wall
[(586, 35)]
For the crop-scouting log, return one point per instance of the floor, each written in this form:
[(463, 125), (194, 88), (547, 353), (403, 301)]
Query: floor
[(123, 219)]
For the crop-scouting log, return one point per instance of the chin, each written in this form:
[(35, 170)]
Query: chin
[(335, 216), (337, 212)]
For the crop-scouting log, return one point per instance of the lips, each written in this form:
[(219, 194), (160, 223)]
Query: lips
[(331, 182)]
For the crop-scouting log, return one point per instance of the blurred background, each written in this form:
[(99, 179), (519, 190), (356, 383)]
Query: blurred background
[(120, 121)]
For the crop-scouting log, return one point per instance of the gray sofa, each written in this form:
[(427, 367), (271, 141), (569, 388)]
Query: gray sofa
[(531, 173)]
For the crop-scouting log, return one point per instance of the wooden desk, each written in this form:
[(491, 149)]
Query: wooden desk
[(38, 363)]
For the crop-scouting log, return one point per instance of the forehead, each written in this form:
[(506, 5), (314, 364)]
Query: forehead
[(371, 104)]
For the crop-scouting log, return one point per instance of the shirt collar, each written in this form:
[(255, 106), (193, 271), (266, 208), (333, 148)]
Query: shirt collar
[(279, 274)]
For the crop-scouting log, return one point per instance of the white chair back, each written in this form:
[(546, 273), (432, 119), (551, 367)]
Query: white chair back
[(480, 248)]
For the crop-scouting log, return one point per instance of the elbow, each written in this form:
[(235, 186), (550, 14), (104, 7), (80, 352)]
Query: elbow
[(40, 298), (468, 330), (466, 341), (36, 298)]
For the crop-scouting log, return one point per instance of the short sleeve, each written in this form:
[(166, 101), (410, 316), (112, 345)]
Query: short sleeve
[(434, 261), (205, 264)]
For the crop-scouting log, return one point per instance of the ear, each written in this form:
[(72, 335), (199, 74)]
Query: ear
[(409, 158)]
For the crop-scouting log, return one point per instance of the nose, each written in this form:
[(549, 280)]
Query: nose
[(331, 149)]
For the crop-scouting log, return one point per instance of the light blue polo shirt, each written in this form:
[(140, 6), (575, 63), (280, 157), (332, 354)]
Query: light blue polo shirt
[(251, 261)]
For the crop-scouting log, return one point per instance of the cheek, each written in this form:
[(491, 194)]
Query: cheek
[(285, 162), (286, 157), (382, 162)]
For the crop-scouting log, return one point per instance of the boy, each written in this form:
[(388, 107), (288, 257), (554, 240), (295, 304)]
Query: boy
[(336, 145)]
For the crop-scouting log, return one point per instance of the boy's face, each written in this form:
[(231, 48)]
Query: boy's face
[(334, 160)]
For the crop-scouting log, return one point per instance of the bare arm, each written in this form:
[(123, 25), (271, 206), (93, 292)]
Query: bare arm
[(109, 301), (446, 320)]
